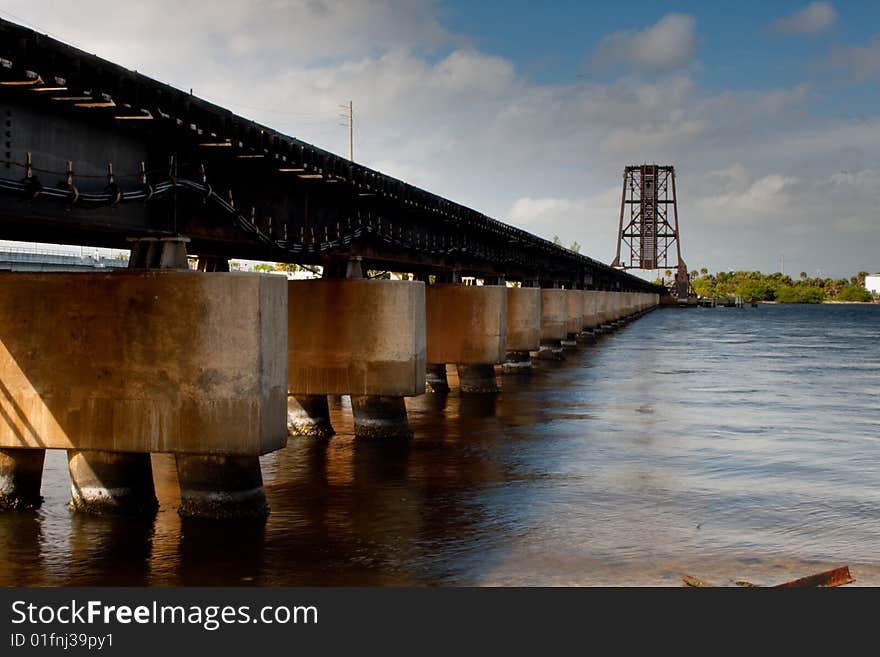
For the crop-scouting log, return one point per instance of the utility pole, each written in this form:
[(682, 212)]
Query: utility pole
[(349, 114), (782, 264)]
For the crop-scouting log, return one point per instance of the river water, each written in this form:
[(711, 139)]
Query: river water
[(729, 444)]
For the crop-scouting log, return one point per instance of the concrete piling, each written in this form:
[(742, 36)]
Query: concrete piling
[(111, 482), (21, 474), (221, 487), (380, 417), (309, 415)]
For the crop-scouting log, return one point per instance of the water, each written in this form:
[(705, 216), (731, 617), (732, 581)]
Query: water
[(723, 443)]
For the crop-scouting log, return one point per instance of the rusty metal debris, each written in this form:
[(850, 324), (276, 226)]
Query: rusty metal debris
[(829, 578)]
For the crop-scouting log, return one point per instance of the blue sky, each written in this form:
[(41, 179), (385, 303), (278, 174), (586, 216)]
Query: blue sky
[(529, 111), (552, 43)]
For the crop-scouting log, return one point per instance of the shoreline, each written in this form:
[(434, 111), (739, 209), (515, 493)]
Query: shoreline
[(840, 303)]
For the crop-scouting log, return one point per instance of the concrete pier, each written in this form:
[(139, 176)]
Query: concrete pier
[(111, 482), (601, 312), (554, 323), (378, 417), (523, 328), (309, 415), (115, 366), (221, 487), (591, 317), (358, 337), (478, 377), (574, 305), (21, 474), (436, 378), (467, 326)]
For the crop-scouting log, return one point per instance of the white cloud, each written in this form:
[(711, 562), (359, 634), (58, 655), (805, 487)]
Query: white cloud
[(816, 17), (671, 43), (861, 62)]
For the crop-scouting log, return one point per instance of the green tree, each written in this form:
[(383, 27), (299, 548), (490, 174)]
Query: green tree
[(752, 290), (854, 293), (575, 247), (705, 287)]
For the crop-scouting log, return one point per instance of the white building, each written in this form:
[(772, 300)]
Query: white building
[(872, 284)]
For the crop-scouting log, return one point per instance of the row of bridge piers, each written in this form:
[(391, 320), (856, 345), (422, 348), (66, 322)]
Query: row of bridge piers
[(219, 368)]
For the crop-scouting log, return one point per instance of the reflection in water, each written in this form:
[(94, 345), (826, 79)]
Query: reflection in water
[(212, 552), (121, 545), (21, 539), (742, 444)]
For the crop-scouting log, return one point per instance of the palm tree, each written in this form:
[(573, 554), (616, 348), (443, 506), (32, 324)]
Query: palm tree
[(803, 275)]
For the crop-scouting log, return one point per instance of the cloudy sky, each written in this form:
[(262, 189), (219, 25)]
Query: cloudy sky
[(529, 111)]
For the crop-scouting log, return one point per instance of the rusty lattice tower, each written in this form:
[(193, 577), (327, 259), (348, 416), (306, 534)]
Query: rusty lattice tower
[(648, 236)]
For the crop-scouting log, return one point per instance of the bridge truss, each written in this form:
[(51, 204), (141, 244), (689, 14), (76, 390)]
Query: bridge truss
[(648, 235)]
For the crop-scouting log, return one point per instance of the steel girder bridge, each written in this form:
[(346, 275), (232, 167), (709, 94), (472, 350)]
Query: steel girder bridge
[(95, 154)]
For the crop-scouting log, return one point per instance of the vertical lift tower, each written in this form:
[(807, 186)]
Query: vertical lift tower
[(645, 235)]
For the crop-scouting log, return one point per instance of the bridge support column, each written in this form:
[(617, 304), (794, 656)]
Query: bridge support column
[(359, 337), (309, 415), (617, 311), (554, 323), (467, 325), (21, 473), (601, 312), (610, 310), (523, 328), (221, 487), (182, 362), (477, 378), (574, 308), (436, 378), (590, 318), (380, 417), (111, 482)]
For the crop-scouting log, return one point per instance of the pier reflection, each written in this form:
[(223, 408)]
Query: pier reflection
[(21, 537), (121, 545)]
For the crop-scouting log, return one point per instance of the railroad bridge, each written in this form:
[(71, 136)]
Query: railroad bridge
[(219, 367)]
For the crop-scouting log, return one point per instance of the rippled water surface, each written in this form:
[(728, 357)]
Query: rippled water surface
[(723, 443)]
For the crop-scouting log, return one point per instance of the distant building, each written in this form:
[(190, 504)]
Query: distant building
[(872, 284)]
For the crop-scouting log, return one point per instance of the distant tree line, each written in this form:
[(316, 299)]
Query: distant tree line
[(755, 286)]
